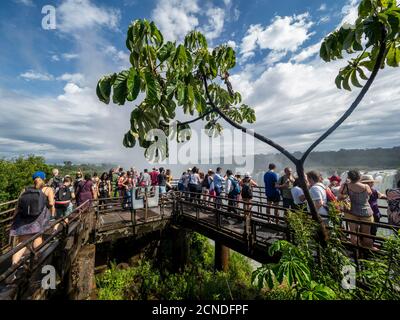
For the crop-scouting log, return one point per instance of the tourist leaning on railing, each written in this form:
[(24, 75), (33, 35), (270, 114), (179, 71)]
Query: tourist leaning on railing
[(373, 200), (34, 208), (360, 210), (393, 210)]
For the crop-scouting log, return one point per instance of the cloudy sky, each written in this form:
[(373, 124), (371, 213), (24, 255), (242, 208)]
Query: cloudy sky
[(49, 107)]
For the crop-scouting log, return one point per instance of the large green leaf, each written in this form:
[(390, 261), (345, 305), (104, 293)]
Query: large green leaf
[(133, 84), (153, 89), (393, 55), (129, 139), (103, 89), (120, 90)]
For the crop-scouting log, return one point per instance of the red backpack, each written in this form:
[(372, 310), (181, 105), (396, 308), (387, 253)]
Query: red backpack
[(329, 195)]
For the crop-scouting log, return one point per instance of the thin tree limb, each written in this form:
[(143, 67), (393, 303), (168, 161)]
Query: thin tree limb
[(245, 130), (355, 103)]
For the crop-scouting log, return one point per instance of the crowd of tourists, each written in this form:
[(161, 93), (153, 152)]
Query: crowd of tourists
[(54, 198)]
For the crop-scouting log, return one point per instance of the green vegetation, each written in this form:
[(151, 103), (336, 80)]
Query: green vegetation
[(71, 169), (308, 271), (16, 174), (198, 281)]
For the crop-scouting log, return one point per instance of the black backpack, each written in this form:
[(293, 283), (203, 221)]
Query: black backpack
[(31, 203), (63, 197), (103, 187), (206, 182), (247, 191), (56, 183)]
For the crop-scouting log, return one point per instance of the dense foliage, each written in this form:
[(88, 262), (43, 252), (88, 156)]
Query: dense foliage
[(377, 28), (172, 76), (308, 271), (198, 281), (16, 174)]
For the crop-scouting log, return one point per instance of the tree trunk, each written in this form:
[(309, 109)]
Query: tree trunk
[(322, 232), (221, 257)]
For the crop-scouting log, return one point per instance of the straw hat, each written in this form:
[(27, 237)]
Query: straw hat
[(367, 178)]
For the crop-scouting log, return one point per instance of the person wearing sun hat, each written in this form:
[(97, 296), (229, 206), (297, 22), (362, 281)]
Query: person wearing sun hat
[(373, 200), (334, 184), (34, 208)]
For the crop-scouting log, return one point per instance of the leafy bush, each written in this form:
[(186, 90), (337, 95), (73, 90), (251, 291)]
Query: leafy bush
[(197, 282)]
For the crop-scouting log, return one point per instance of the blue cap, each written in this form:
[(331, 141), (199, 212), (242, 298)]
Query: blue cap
[(39, 174)]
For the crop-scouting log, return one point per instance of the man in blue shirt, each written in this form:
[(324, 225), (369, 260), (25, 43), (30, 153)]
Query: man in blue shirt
[(218, 186), (271, 191)]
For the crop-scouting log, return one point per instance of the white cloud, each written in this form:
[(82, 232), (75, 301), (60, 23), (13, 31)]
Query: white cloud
[(28, 3), (307, 53), (55, 57), (32, 75), (350, 12), (232, 44), (322, 7), (275, 56), (117, 55), (69, 56), (324, 19), (283, 34), (216, 17), (74, 15), (176, 18), (75, 77)]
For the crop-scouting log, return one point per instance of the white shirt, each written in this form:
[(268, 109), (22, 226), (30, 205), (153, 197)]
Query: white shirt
[(318, 193), (297, 192), (229, 184)]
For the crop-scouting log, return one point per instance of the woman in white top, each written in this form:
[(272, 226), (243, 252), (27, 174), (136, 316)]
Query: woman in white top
[(318, 193), (194, 184), (298, 196)]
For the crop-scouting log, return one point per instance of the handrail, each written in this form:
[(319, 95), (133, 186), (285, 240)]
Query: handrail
[(23, 244)]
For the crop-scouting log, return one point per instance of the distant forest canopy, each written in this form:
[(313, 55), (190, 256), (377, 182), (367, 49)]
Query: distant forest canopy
[(16, 174), (70, 168), (362, 159)]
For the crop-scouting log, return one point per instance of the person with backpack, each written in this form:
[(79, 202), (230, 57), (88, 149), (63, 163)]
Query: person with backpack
[(56, 181), (85, 191), (373, 200), (205, 186), (63, 198), (78, 179), (33, 211), (218, 181), (194, 184), (162, 181), (271, 191), (246, 192), (393, 210), (232, 190), (104, 190), (285, 185)]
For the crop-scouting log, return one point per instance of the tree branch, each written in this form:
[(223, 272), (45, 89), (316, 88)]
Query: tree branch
[(355, 103), (245, 130), (193, 120)]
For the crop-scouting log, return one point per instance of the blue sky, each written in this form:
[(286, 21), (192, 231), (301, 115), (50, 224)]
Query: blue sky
[(48, 77)]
